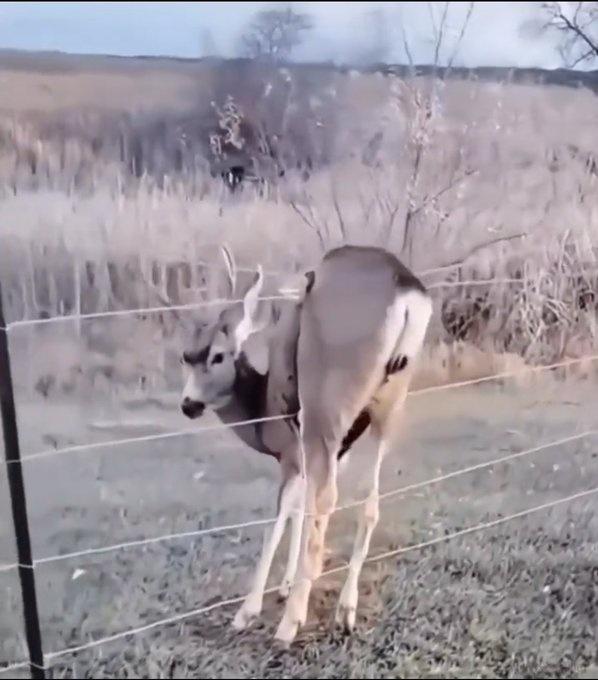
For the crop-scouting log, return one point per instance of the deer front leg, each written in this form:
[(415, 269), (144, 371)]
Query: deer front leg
[(290, 499), (321, 500), (294, 546)]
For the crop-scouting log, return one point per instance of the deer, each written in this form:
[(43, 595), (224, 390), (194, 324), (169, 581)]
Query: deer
[(340, 356)]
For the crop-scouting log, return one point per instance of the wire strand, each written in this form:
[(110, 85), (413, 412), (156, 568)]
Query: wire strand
[(145, 438), (211, 303), (473, 468), (16, 565), (157, 539), (470, 530), (505, 374), (348, 506), (143, 310), (177, 618), (151, 310), (21, 664), (472, 282), (180, 433), (376, 558)]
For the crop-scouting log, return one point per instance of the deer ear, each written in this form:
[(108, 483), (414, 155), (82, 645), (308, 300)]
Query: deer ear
[(250, 324)]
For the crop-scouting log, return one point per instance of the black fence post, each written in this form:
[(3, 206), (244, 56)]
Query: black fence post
[(18, 502)]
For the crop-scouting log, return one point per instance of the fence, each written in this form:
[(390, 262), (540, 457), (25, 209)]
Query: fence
[(26, 565)]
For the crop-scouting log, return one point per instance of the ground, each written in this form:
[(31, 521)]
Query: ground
[(516, 599)]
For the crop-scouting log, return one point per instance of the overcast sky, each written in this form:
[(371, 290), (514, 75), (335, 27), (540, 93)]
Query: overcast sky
[(175, 28)]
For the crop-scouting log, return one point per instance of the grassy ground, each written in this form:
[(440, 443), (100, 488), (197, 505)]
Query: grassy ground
[(513, 599), (516, 603)]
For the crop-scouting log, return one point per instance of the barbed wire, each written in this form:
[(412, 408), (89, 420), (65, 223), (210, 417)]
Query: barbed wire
[(75, 448), (141, 310), (506, 374), (472, 282), (271, 273), (263, 522), (15, 565), (473, 468), (177, 618), (219, 301), (469, 530), (21, 664), (156, 539)]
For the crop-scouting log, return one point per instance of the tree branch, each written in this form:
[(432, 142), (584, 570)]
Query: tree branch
[(575, 28), (440, 33), (581, 58), (459, 40)]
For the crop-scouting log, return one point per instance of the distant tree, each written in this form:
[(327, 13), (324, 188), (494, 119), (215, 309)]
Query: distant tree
[(448, 24), (274, 33), (575, 25)]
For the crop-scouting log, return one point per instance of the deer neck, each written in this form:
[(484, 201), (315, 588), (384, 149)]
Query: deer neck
[(249, 402)]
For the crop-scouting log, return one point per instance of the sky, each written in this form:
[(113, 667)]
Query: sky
[(342, 32)]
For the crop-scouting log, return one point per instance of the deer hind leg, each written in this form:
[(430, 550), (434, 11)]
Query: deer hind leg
[(369, 515), (290, 503), (384, 412), (322, 496)]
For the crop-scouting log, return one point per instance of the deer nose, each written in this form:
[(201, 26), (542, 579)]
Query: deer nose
[(192, 409)]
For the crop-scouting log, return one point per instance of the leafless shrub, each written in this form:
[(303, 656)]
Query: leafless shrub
[(548, 309)]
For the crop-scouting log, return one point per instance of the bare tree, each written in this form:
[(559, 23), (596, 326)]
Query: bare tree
[(575, 25), (274, 33), (446, 32)]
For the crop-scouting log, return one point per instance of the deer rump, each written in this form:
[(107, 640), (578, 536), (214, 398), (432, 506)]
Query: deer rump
[(339, 341), (282, 387)]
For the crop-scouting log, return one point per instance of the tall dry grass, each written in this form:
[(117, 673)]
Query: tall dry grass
[(107, 210)]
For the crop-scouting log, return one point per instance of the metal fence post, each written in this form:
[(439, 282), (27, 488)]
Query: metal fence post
[(19, 505)]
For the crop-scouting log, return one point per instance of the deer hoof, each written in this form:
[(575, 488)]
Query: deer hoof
[(345, 617), (347, 606), (249, 611), (286, 632)]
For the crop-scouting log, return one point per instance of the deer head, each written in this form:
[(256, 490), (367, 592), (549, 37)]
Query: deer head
[(211, 359)]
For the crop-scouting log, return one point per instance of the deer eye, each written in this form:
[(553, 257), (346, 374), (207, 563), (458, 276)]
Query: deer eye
[(218, 358)]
